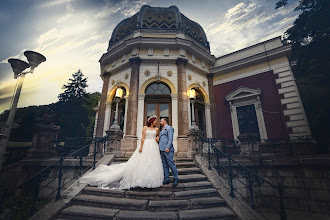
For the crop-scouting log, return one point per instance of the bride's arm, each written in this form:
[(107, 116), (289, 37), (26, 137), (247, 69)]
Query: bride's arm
[(143, 137)]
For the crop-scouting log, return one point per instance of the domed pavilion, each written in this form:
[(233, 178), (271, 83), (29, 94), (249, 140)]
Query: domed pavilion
[(158, 62)]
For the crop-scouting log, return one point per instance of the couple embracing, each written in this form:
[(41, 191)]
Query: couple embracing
[(149, 165)]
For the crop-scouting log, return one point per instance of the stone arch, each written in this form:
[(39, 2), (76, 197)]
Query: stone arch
[(202, 90), (154, 79), (112, 92)]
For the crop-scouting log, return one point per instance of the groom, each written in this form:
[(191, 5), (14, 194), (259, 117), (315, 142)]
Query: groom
[(166, 150)]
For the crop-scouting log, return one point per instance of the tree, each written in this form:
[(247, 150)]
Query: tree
[(75, 88), (309, 36), (72, 114)]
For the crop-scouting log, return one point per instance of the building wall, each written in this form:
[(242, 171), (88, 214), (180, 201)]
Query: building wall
[(270, 102)]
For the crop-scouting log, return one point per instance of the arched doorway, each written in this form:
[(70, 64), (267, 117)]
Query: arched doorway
[(121, 109), (199, 107), (158, 102)]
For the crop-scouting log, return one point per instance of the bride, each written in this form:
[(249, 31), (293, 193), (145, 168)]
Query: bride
[(143, 169)]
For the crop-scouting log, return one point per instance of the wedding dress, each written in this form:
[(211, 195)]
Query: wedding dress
[(143, 169)]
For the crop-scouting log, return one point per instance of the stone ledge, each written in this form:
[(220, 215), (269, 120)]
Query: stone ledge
[(55, 207), (237, 204)]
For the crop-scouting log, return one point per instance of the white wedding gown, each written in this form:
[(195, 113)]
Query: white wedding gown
[(143, 169)]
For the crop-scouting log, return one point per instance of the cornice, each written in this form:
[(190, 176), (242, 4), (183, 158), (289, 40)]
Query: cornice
[(257, 58), (125, 46)]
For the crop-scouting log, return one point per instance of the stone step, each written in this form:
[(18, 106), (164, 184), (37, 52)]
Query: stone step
[(222, 213), (185, 164), (189, 170), (131, 215), (183, 159), (197, 185), (168, 205), (165, 205), (190, 178), (167, 187), (208, 202), (88, 213), (88, 190), (176, 160), (197, 193), (120, 159), (149, 194), (110, 202)]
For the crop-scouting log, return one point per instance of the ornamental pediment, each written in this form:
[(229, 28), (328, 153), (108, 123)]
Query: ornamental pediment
[(242, 93)]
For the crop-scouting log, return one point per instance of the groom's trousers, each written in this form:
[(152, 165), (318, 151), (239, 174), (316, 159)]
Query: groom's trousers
[(167, 159)]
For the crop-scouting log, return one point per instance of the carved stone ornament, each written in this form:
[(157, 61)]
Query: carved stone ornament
[(169, 73), (189, 77), (204, 83), (112, 82), (147, 72), (126, 76)]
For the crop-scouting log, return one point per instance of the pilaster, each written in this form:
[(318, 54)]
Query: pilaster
[(129, 143), (101, 112), (213, 110)]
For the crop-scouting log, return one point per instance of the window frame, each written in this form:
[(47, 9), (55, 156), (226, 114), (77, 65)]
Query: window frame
[(248, 97)]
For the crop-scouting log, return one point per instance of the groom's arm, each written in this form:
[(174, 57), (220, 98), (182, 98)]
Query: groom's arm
[(170, 137)]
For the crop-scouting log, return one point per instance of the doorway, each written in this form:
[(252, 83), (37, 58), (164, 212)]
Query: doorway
[(158, 102)]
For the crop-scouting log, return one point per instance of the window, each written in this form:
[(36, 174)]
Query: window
[(247, 119), (246, 112), (158, 89)]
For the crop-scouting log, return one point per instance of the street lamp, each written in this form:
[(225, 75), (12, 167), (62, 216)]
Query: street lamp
[(18, 67), (119, 95), (192, 95)]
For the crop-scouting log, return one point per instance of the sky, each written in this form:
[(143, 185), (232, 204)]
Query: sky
[(73, 34)]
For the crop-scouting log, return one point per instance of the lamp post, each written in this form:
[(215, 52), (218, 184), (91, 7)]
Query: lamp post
[(18, 67), (192, 95), (119, 94)]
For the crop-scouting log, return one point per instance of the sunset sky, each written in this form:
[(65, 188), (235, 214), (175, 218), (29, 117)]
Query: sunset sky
[(73, 34)]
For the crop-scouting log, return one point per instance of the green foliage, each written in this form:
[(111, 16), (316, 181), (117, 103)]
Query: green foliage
[(75, 88), (310, 38), (80, 119)]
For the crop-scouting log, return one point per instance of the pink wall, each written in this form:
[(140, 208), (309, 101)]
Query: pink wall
[(270, 102)]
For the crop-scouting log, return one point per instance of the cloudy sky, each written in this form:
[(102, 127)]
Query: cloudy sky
[(73, 34)]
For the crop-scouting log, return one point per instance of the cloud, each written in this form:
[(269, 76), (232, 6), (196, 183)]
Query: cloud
[(54, 3), (248, 23), (126, 8)]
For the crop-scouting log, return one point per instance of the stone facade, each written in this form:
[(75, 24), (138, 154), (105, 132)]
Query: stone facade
[(147, 49)]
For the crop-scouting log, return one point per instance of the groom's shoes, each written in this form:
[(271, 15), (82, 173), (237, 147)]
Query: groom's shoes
[(166, 182), (175, 182)]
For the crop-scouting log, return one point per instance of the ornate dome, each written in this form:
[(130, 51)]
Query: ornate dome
[(158, 18)]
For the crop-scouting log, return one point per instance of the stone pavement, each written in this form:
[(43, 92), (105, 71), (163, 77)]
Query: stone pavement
[(193, 198)]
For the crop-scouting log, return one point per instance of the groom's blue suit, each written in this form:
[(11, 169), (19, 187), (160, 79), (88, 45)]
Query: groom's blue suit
[(166, 141)]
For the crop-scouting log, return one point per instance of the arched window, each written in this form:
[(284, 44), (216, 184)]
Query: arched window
[(158, 89), (158, 102), (199, 110)]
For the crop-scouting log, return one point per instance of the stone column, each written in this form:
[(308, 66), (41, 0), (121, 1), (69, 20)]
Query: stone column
[(107, 117), (208, 121), (140, 116), (125, 122), (183, 122), (128, 144), (213, 109), (101, 114), (183, 126), (175, 120)]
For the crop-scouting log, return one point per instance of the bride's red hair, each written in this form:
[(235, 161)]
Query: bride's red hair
[(150, 121)]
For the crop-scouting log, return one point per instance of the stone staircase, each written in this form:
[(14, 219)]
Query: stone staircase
[(193, 198)]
